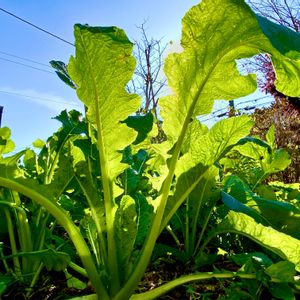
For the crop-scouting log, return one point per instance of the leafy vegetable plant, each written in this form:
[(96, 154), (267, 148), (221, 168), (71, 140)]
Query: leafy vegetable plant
[(245, 192), (215, 34), (27, 226)]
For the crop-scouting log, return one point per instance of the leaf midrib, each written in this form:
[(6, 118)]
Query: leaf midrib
[(108, 196)]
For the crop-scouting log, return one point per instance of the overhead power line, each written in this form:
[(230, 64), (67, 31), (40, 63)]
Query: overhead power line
[(253, 100), (225, 110), (39, 98), (37, 27), (26, 59), (220, 111), (25, 65)]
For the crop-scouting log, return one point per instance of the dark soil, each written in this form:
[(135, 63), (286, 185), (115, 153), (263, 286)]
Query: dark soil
[(53, 286)]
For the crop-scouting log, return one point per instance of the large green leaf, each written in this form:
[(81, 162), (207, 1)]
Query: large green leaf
[(215, 34), (101, 69), (238, 206), (280, 214), (102, 66), (285, 246), (287, 61)]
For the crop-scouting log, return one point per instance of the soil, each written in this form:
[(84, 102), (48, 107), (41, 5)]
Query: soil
[(53, 286)]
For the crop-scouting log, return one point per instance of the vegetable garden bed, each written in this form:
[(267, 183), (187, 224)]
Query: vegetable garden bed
[(106, 204)]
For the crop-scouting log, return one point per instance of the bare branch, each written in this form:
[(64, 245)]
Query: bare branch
[(148, 80)]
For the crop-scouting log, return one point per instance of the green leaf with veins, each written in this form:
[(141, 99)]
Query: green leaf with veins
[(287, 61), (270, 161), (284, 271), (197, 75), (101, 69), (285, 246), (281, 215)]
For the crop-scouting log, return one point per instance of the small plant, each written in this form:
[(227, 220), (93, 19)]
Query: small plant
[(28, 227), (124, 224)]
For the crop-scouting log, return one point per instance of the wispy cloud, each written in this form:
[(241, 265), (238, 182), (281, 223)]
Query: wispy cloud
[(50, 101)]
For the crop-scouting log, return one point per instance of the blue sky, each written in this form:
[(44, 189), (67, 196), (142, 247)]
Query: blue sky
[(30, 117)]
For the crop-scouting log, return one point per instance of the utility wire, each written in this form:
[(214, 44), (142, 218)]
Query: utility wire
[(254, 100), (37, 27), (25, 65), (38, 98), (25, 59), (225, 109), (213, 116)]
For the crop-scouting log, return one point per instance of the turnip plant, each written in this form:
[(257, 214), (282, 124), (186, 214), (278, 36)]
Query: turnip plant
[(215, 35)]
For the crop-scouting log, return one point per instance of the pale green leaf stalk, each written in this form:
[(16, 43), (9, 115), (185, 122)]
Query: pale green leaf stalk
[(206, 149), (16, 262)]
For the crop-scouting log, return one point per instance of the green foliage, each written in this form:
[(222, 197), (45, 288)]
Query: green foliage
[(52, 259), (285, 117), (28, 226), (6, 144), (130, 188), (283, 245), (262, 156), (62, 73), (5, 282)]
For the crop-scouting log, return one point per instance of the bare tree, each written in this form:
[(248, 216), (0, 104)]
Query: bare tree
[(283, 12), (148, 80)]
